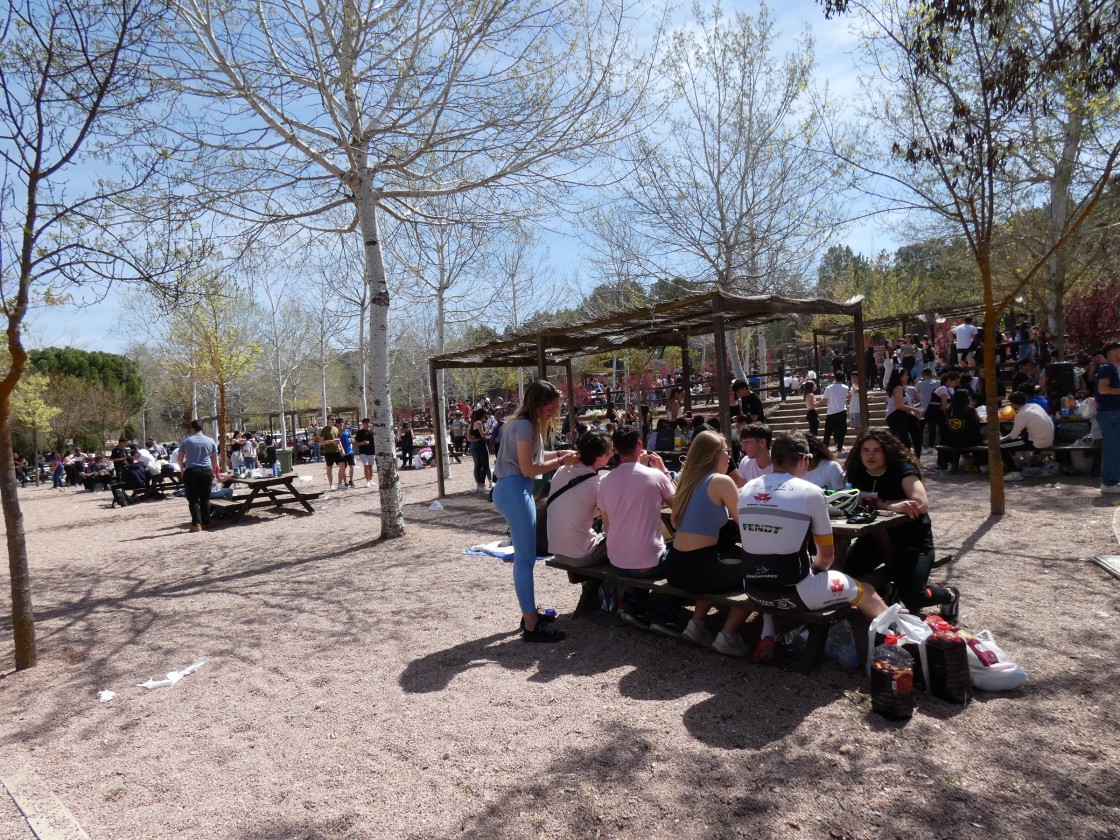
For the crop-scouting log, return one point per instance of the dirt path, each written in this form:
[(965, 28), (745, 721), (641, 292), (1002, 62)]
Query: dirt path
[(357, 689)]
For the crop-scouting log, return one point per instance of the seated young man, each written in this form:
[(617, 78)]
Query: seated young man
[(1033, 429), (777, 513), (755, 440), (630, 499), (572, 504)]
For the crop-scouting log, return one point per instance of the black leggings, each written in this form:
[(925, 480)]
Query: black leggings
[(481, 455), (909, 567), (814, 420), (907, 428)]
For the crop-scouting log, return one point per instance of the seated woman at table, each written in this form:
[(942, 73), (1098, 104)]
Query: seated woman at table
[(961, 425), (824, 470), (890, 478), (705, 556)]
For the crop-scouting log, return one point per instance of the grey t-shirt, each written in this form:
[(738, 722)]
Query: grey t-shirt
[(506, 463), (197, 450)]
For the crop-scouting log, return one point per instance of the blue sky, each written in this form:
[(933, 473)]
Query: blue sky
[(109, 324)]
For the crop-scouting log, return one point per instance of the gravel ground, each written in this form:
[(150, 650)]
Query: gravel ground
[(361, 689)]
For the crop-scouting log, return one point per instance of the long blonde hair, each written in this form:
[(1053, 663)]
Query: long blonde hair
[(703, 454), (537, 396)]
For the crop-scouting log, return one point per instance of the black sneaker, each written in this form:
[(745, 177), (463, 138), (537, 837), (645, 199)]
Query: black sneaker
[(543, 632), (951, 610), (634, 620), (543, 617)]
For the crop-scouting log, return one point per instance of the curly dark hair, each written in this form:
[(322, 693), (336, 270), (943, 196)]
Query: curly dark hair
[(896, 451)]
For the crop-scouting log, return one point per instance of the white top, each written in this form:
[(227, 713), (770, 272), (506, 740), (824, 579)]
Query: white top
[(828, 475), (1033, 419), (837, 395), (569, 516), (964, 333), (749, 469)]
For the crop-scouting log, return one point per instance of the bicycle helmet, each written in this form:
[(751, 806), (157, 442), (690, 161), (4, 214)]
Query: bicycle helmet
[(842, 503)]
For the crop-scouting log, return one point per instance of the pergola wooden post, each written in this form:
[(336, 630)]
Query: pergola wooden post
[(442, 469), (571, 396), (722, 385), (686, 372)]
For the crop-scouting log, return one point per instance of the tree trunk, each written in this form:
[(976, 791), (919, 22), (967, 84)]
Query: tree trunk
[(381, 403), (991, 394), (363, 356), (23, 618), (736, 360), (1060, 202), (223, 450)]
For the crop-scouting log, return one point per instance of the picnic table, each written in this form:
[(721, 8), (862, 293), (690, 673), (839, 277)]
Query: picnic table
[(270, 491), (818, 621)]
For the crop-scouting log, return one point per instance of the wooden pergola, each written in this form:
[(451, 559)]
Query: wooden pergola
[(666, 325)]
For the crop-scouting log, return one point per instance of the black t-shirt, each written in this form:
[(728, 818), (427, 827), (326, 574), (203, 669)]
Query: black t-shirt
[(890, 489), (364, 439), (752, 405), (963, 429)]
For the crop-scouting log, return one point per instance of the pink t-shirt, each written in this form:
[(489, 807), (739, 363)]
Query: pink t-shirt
[(631, 496)]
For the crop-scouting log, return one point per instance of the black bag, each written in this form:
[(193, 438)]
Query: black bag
[(120, 497), (542, 512)]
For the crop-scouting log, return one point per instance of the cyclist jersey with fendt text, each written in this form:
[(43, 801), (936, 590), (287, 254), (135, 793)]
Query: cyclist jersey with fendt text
[(777, 513)]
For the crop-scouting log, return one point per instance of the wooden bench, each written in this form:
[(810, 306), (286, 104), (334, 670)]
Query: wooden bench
[(955, 453), (818, 621)]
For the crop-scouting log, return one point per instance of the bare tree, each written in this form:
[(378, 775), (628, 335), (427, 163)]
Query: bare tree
[(732, 186), (961, 81), (76, 93), (373, 106)]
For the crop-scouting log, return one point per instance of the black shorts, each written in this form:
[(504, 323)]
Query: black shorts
[(333, 458)]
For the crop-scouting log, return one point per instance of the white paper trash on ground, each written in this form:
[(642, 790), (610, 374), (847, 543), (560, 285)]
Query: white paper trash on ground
[(174, 676), (435, 506), (105, 696)]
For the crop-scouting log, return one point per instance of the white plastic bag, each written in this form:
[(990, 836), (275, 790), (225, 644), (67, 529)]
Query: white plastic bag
[(1002, 675), (1087, 408), (894, 622)]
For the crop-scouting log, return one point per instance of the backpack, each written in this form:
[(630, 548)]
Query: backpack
[(120, 497)]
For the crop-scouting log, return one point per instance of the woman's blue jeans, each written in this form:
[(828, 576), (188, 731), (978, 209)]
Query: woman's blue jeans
[(56, 477), (1109, 421), (513, 497)]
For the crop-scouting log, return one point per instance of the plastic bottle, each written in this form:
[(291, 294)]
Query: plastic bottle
[(275, 469), (892, 681), (841, 646), (948, 667), (847, 485)]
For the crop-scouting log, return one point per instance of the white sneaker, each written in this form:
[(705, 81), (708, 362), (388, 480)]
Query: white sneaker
[(480, 488), (730, 645), (332, 488), (369, 483), (1013, 476), (697, 633), (1111, 489)]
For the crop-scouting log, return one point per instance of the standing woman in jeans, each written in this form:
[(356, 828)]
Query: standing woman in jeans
[(480, 449), (521, 458)]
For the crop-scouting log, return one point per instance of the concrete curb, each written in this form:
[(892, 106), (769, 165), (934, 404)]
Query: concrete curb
[(46, 816)]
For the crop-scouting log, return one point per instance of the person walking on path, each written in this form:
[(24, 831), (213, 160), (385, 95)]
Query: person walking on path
[(332, 450), (198, 462), (1108, 417)]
